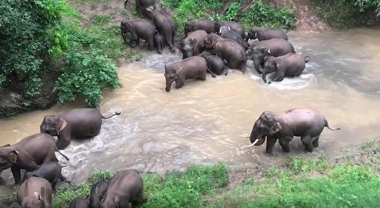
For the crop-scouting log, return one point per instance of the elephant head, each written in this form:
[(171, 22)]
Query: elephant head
[(211, 40), (52, 125), (270, 65), (223, 29), (109, 202), (253, 34), (33, 202), (127, 27), (188, 46), (8, 157), (257, 54), (189, 26), (265, 126), (171, 75)]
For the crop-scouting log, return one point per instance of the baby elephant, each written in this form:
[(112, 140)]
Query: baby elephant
[(305, 123), (194, 67), (51, 171), (289, 65), (97, 192), (158, 42), (124, 190), (35, 193), (215, 64), (79, 203)]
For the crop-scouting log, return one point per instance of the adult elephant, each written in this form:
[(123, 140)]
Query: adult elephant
[(289, 65), (273, 47), (35, 193), (233, 25), (203, 24), (142, 7), (266, 34), (28, 154), (303, 122), (227, 50), (165, 24), (226, 32), (77, 124), (193, 44), (194, 67), (139, 29), (124, 189)]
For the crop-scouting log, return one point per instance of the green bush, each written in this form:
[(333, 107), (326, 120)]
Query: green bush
[(99, 175), (232, 11), (66, 194)]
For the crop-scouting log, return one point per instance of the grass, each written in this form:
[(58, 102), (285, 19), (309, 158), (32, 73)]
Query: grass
[(368, 144)]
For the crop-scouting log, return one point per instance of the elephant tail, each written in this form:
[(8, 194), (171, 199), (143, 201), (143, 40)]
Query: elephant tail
[(327, 125), (56, 149), (307, 59), (115, 114)]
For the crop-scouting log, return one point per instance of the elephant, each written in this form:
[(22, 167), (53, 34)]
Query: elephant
[(124, 190), (51, 171), (226, 32), (194, 67), (77, 124), (305, 123), (233, 25), (273, 47), (215, 64), (203, 24), (289, 65), (28, 154), (158, 42), (142, 7), (165, 24), (97, 192), (35, 193), (227, 50), (266, 34), (193, 44), (138, 28), (79, 203)]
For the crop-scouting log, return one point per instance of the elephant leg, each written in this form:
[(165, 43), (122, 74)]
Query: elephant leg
[(2, 181), (284, 142), (179, 83), (16, 174), (271, 141), (151, 43), (141, 198), (316, 142), (307, 142)]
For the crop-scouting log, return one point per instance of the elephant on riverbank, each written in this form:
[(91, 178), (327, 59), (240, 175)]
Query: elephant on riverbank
[(51, 171), (165, 24), (97, 192), (28, 154), (125, 189), (266, 34), (226, 32), (193, 44), (203, 24), (138, 29), (232, 25), (194, 67), (306, 123), (289, 65), (227, 50), (81, 123), (273, 47), (35, 193), (141, 7)]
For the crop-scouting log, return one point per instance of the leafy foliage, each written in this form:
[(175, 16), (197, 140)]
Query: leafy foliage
[(232, 11), (99, 175)]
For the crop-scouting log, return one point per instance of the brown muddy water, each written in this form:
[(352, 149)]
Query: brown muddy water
[(206, 122)]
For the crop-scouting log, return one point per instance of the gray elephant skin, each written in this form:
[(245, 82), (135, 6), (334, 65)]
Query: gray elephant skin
[(289, 65), (139, 29), (193, 44), (266, 34), (194, 67), (203, 24), (28, 154), (79, 203), (158, 42), (273, 47), (81, 123), (226, 32), (227, 50), (233, 25), (124, 190), (97, 192), (305, 123), (141, 7), (165, 24), (51, 171), (215, 64), (35, 193)]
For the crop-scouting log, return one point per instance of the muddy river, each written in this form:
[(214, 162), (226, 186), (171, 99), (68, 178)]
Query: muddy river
[(206, 122)]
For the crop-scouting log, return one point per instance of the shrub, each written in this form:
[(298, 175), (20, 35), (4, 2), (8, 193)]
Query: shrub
[(232, 11)]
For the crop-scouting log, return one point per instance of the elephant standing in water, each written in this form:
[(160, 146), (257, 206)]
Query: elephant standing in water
[(226, 32), (35, 193), (306, 123), (289, 65), (51, 171), (28, 154), (142, 7), (165, 24), (139, 29), (193, 44), (266, 34), (77, 124)]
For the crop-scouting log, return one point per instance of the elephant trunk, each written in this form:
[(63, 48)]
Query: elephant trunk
[(264, 76), (168, 84), (256, 139), (256, 63)]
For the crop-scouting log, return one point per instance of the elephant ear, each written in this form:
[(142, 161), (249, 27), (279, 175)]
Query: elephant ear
[(60, 125), (275, 128), (267, 50), (13, 156)]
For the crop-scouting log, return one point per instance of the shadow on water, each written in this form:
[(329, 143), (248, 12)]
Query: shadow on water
[(209, 121)]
